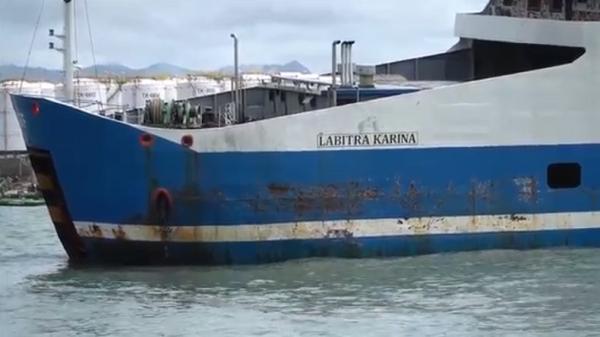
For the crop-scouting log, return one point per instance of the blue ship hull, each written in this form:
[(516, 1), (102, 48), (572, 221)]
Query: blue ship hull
[(119, 195), (238, 253)]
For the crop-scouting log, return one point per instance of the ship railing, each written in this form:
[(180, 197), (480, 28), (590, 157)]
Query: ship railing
[(114, 111), (301, 85)]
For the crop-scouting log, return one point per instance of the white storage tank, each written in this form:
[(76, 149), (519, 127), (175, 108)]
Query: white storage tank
[(253, 80), (102, 96), (114, 94), (11, 138), (136, 92), (90, 94), (170, 89), (226, 84), (195, 86)]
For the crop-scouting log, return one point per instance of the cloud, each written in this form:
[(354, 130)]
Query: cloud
[(195, 34)]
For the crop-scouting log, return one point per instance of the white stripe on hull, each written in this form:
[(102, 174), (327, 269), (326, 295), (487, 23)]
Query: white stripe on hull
[(343, 228)]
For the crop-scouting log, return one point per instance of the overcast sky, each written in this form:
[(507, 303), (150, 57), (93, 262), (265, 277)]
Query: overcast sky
[(195, 33)]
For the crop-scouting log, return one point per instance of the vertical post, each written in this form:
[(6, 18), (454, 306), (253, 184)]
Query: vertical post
[(5, 118), (417, 72), (236, 75), (334, 72), (569, 10), (350, 64), (68, 50), (233, 96), (343, 64), (244, 103)]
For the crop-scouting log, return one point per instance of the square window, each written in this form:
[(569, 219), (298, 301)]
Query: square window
[(534, 5), (557, 5), (564, 175)]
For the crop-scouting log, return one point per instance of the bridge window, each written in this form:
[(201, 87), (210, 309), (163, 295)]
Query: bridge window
[(564, 175), (507, 3), (534, 5), (557, 5)]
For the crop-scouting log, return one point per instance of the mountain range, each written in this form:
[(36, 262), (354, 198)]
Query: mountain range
[(12, 72)]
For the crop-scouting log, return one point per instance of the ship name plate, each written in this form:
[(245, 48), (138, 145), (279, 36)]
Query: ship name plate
[(367, 139)]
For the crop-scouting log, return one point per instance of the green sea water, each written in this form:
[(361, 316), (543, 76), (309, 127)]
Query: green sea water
[(495, 293)]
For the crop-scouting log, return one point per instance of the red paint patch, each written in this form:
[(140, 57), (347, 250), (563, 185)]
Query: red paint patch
[(162, 193), (162, 204), (146, 140), (35, 109), (187, 140)]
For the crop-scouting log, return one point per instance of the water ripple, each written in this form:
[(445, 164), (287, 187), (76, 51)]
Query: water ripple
[(496, 293)]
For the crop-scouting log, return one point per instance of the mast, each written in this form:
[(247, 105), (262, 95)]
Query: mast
[(5, 119), (334, 72), (236, 88), (68, 50)]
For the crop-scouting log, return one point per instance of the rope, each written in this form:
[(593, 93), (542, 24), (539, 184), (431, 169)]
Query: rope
[(89, 26), (87, 17), (75, 32), (75, 63), (37, 25)]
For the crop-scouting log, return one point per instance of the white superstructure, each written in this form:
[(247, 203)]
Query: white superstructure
[(540, 107), (194, 86)]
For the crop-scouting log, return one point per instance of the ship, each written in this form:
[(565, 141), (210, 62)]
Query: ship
[(503, 155)]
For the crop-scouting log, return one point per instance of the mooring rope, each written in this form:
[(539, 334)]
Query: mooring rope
[(75, 33), (87, 18), (37, 25), (93, 50)]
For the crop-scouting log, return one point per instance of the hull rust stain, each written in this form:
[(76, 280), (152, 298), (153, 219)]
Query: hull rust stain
[(346, 229)]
